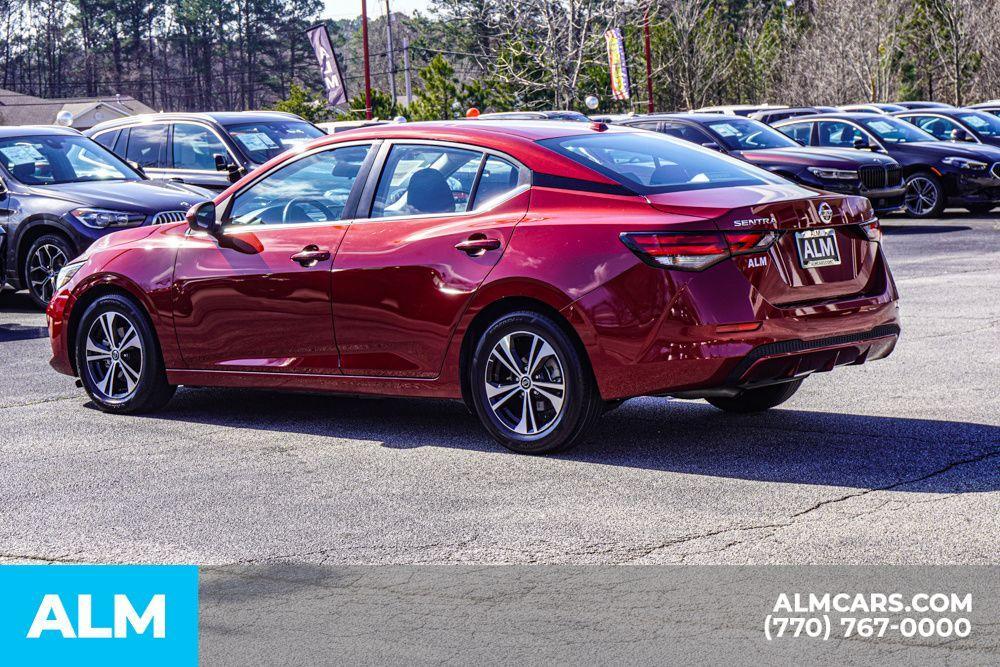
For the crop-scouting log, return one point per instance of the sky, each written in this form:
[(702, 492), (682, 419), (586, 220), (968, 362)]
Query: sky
[(345, 9)]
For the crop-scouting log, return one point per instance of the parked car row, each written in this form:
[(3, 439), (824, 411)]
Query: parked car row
[(60, 190)]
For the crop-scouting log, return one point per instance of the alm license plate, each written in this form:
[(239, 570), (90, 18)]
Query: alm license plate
[(817, 247)]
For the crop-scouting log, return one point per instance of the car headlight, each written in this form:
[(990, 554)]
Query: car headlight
[(965, 163), (99, 218), (833, 174), (66, 274)]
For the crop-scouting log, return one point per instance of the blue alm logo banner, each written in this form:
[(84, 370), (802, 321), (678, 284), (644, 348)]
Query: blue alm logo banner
[(99, 614)]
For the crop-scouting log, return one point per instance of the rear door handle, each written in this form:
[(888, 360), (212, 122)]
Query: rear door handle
[(477, 244), (311, 254)]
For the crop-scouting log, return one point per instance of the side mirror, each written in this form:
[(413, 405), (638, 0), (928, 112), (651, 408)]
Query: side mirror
[(221, 163), (201, 218), (235, 172), (138, 167)]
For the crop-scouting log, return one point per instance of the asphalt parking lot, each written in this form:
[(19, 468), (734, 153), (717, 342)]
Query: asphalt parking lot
[(893, 462)]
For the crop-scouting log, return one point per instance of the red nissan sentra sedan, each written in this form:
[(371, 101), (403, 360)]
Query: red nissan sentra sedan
[(541, 272)]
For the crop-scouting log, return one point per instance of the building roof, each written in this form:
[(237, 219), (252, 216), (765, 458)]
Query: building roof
[(20, 109)]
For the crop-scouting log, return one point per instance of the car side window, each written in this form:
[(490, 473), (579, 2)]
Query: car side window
[(195, 147), (838, 135), (940, 128), (312, 189), (107, 139), (147, 145), (800, 132), (422, 180), (653, 126), (498, 178), (686, 132)]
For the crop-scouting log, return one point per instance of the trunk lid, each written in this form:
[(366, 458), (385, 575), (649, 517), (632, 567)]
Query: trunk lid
[(815, 229)]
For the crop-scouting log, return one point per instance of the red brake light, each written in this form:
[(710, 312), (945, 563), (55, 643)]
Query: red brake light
[(873, 230), (694, 251)]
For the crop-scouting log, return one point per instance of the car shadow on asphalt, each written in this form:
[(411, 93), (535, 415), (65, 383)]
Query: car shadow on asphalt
[(17, 302), (689, 437), (903, 229)]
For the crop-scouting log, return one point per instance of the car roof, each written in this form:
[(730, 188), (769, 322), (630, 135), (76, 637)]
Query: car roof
[(841, 115), (220, 117), (947, 111), (14, 131), (483, 128), (694, 116)]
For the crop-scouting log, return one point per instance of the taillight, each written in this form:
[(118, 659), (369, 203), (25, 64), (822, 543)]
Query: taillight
[(694, 251), (872, 230)]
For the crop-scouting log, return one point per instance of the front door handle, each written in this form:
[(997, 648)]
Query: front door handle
[(477, 244), (311, 254)]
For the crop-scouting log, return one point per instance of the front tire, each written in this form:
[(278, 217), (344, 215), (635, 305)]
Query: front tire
[(531, 388), (118, 358), (46, 255), (757, 400), (925, 196)]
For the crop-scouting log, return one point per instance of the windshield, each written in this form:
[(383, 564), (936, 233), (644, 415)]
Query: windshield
[(981, 123), (650, 163), (55, 159), (740, 134), (262, 141), (895, 131)]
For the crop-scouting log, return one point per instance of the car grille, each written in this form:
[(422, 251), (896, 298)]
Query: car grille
[(164, 217), (877, 177)]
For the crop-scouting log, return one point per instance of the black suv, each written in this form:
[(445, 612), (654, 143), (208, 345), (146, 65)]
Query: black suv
[(846, 171), (212, 150), (60, 192), (937, 173)]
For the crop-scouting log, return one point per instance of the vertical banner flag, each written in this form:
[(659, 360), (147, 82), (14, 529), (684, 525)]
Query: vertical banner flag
[(617, 65), (328, 65)]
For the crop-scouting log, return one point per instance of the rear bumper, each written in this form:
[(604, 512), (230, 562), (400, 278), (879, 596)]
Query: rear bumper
[(787, 360)]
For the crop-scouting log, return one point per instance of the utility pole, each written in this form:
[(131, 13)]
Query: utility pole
[(389, 52), (364, 42), (406, 69), (649, 63)]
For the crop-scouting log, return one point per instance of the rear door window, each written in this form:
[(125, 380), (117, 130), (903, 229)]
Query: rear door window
[(800, 132), (499, 177), (837, 134), (424, 180), (147, 145)]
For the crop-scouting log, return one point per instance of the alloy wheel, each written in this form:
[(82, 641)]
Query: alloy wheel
[(43, 267), (114, 356), (921, 196), (525, 384)]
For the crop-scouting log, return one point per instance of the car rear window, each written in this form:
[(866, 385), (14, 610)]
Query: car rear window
[(648, 163)]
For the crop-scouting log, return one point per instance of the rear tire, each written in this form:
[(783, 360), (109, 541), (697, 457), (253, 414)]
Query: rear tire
[(532, 390), (40, 266), (925, 196), (757, 400), (118, 358)]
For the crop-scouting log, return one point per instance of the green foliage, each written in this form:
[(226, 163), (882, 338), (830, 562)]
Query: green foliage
[(305, 104), (443, 97), (383, 106)]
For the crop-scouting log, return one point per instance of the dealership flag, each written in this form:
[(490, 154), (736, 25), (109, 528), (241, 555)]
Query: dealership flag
[(617, 65), (328, 65)]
